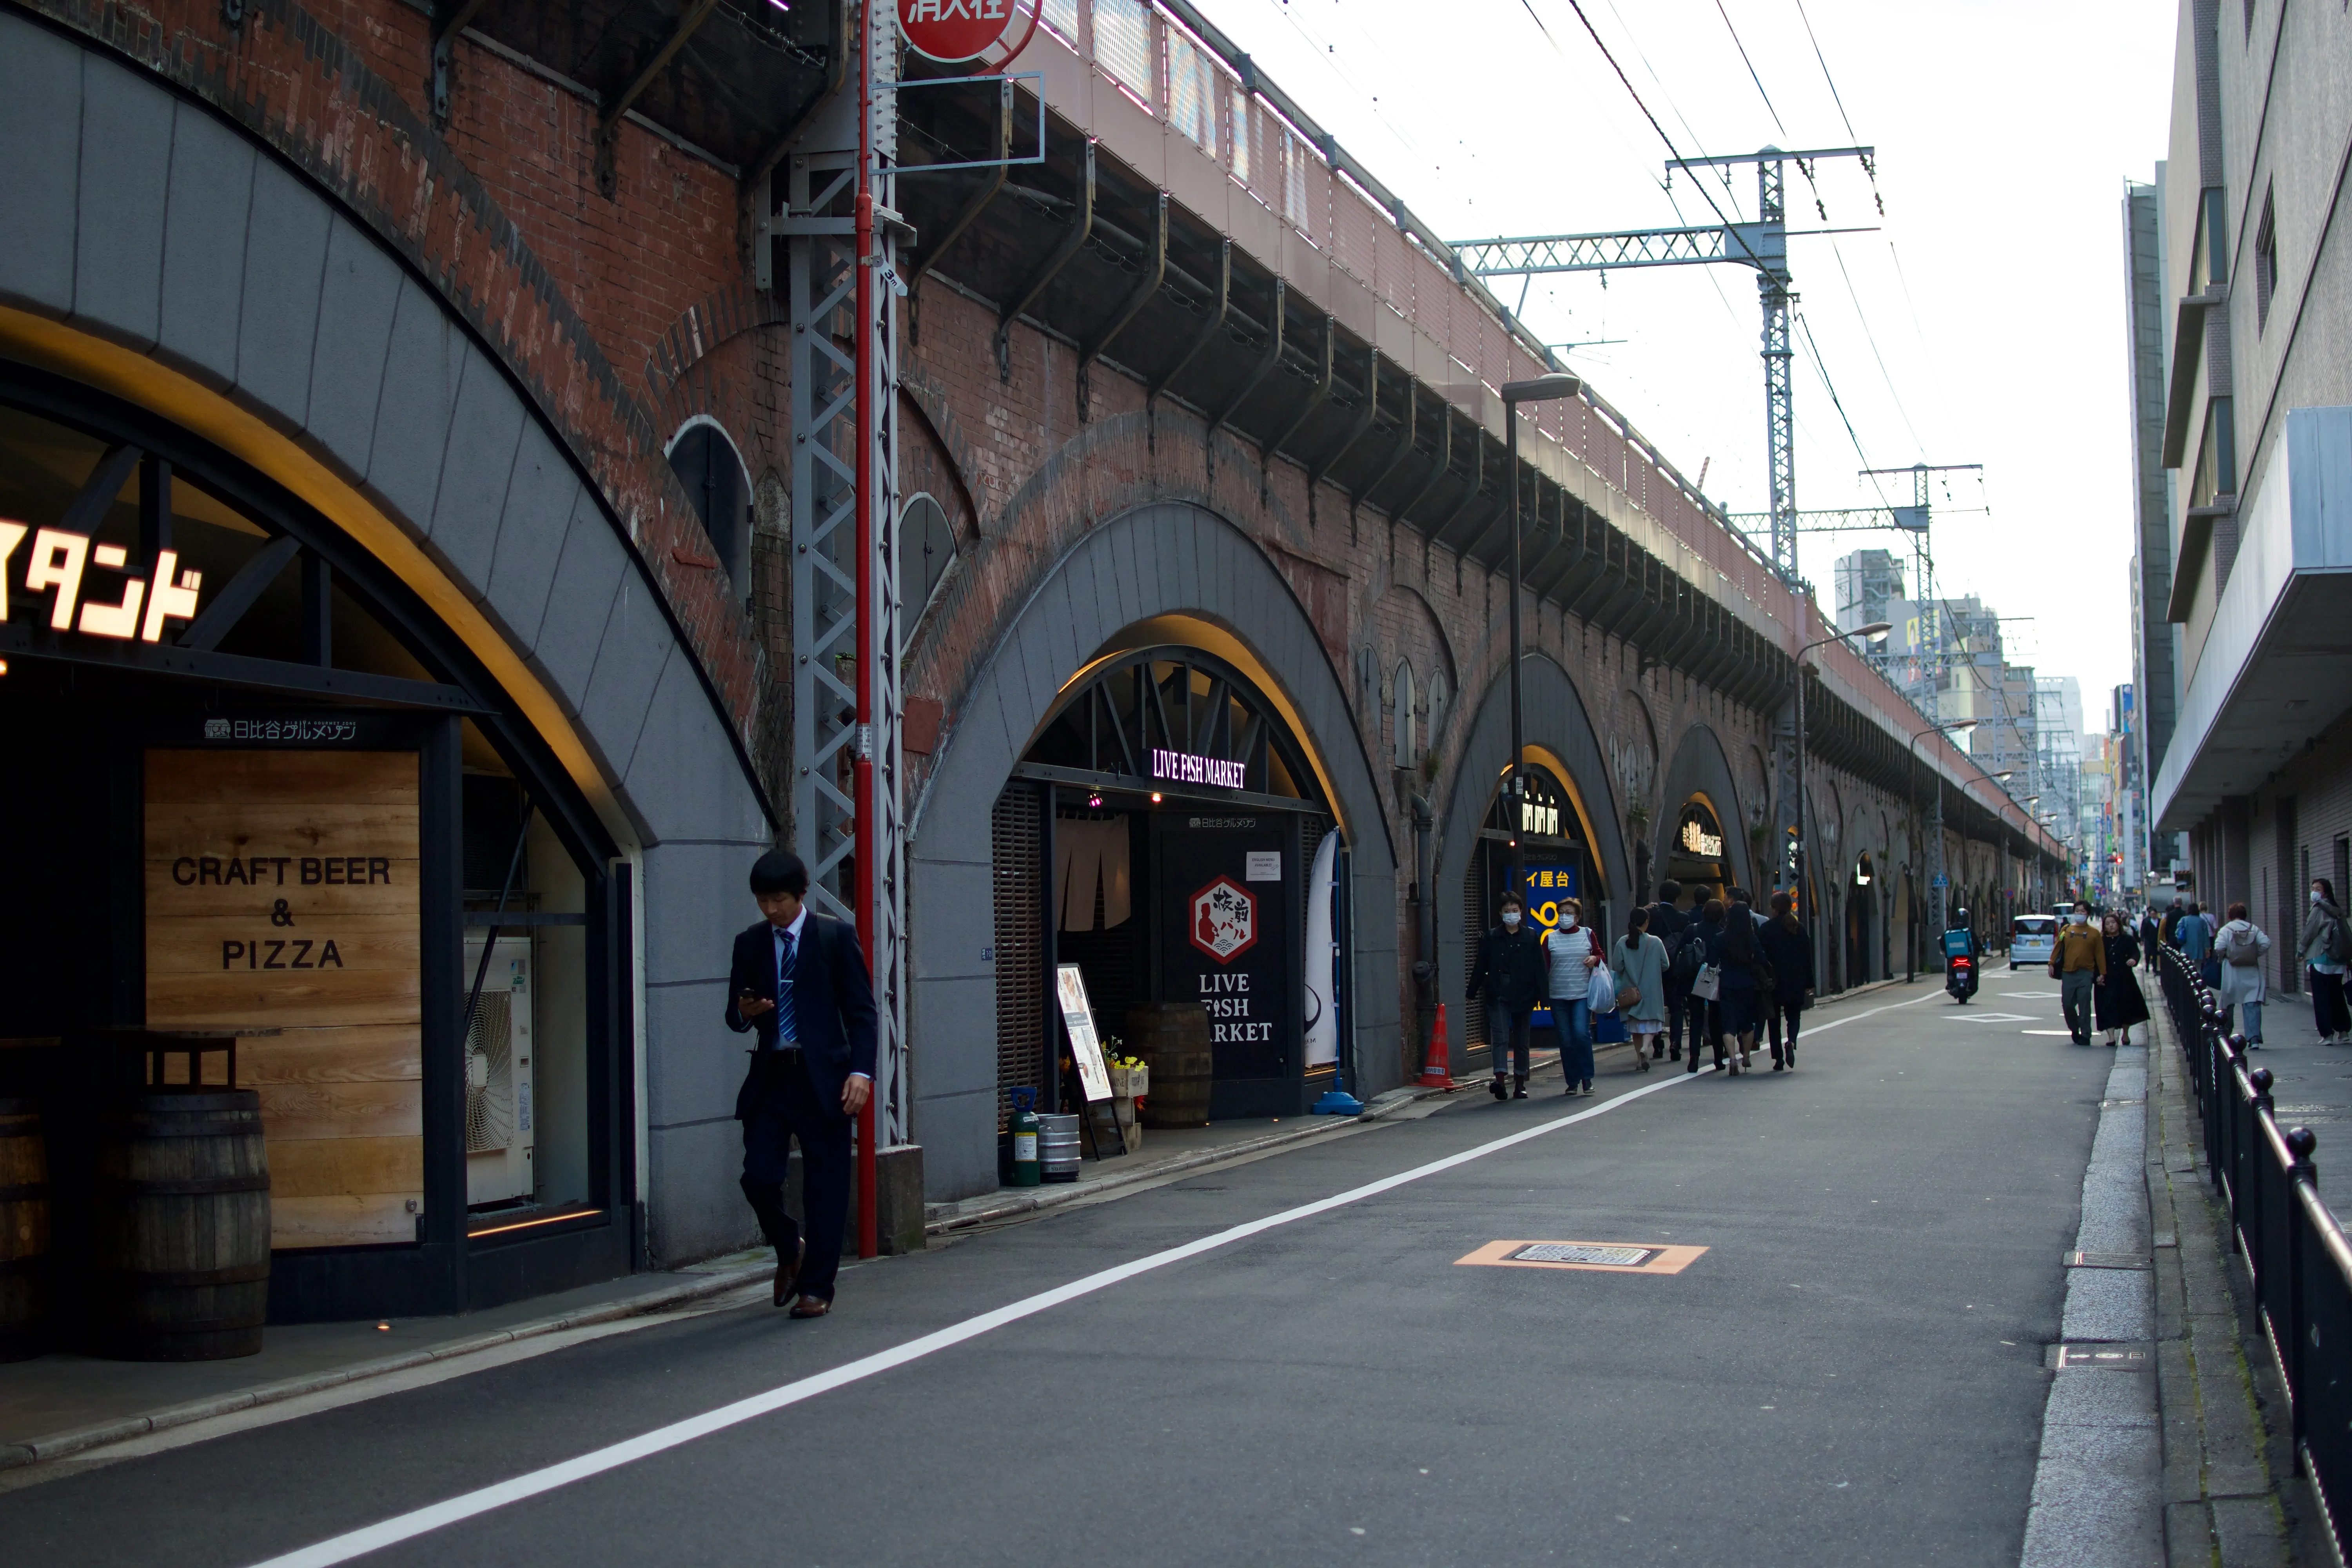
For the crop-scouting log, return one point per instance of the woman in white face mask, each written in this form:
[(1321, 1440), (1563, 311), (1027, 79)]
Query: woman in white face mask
[(1510, 970), (1571, 954)]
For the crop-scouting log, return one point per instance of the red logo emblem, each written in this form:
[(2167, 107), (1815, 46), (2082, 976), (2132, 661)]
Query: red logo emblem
[(954, 29), (1224, 919)]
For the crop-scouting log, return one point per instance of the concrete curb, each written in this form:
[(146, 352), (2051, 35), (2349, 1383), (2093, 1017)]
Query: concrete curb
[(58, 1444), (1039, 1199)]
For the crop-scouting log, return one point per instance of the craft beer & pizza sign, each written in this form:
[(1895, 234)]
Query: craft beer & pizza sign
[(281, 893)]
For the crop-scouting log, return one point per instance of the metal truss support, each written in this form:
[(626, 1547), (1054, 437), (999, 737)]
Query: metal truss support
[(849, 763), (1779, 410)]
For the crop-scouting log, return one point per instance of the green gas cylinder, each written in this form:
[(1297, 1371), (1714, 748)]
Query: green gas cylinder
[(1026, 1169)]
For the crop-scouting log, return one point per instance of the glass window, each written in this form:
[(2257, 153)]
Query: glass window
[(706, 464), (926, 550), (1123, 43), (1192, 93)]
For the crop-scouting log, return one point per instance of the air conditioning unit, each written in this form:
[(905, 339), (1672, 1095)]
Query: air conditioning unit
[(498, 1074)]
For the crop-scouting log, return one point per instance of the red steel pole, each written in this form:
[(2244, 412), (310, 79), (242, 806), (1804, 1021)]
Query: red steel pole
[(861, 878)]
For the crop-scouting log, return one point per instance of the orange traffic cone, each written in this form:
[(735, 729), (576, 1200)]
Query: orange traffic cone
[(1437, 1072)]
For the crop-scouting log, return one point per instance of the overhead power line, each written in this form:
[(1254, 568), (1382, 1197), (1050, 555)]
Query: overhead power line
[(1751, 69)]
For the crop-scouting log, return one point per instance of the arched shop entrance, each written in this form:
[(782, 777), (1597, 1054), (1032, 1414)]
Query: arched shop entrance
[(1157, 834), (1861, 942), (277, 798), (1554, 839), (1695, 852)]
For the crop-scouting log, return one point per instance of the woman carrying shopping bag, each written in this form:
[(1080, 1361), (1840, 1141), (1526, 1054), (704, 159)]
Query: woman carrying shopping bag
[(1639, 963), (2116, 1000), (1570, 955)]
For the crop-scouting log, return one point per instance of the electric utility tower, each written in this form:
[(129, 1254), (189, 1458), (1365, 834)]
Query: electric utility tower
[(1762, 245)]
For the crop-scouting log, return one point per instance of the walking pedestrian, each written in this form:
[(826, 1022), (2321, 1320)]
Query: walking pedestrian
[(1706, 1014), (2194, 936), (2116, 999), (1743, 995), (2150, 933), (799, 981), (2170, 931), (1510, 970), (2326, 949), (2238, 947), (1570, 954), (1639, 959), (1788, 954), (1670, 923), (2078, 962)]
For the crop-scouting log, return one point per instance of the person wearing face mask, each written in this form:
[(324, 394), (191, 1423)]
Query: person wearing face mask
[(1510, 970), (1571, 954), (2079, 963), (2326, 949)]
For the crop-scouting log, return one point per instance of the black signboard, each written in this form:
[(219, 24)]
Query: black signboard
[(1228, 898)]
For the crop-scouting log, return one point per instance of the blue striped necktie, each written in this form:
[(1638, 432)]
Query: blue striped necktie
[(786, 1030)]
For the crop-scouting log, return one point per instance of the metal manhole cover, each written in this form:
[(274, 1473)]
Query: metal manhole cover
[(1600, 1257), (1584, 1252)]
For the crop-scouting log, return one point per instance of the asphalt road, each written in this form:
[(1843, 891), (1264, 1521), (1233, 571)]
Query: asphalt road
[(1850, 1371)]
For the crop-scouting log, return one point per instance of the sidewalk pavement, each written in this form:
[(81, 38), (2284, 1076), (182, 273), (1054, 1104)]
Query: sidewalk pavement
[(2166, 1413), (2311, 1086)]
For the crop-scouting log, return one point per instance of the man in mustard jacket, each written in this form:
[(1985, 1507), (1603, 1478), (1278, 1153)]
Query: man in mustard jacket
[(2078, 962)]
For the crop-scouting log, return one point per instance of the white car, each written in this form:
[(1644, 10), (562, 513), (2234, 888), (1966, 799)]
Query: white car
[(2032, 939)]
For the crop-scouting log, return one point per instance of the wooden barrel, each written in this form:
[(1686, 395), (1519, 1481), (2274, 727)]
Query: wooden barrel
[(23, 1230), (1174, 1041), (180, 1227)]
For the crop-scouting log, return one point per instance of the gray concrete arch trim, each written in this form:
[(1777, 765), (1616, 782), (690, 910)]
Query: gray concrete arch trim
[(1556, 720), (147, 220), (1700, 767), (1167, 558)]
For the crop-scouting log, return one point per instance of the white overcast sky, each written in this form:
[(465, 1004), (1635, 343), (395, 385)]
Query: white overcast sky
[(1982, 324)]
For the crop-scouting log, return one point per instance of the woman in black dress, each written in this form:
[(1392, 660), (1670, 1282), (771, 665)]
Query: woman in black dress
[(2116, 1002)]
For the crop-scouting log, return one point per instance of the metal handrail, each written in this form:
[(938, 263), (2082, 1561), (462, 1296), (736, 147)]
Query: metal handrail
[(2295, 1247)]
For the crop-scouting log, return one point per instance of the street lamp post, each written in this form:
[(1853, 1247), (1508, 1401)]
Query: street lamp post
[(1538, 389), (1956, 727)]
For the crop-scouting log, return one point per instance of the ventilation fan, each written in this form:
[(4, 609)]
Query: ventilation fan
[(489, 1076)]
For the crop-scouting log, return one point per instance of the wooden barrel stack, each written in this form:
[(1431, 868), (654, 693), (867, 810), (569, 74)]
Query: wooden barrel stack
[(23, 1230), (180, 1232), (1175, 1042)]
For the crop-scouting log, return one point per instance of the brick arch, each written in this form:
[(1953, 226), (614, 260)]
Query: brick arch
[(1556, 721), (1700, 767), (1161, 559), (246, 302)]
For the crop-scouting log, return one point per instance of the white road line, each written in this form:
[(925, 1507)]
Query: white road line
[(424, 1521)]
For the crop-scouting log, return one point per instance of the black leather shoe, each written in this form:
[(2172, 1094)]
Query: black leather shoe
[(1518, 1089), (788, 1273), (1500, 1091)]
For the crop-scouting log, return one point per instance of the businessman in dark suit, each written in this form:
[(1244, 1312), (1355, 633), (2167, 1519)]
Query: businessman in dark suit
[(800, 980)]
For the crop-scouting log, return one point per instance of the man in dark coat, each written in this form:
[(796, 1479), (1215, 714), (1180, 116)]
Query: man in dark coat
[(1511, 970), (1669, 923), (799, 981)]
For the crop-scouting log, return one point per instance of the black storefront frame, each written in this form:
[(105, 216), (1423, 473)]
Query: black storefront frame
[(1059, 785), (444, 1271)]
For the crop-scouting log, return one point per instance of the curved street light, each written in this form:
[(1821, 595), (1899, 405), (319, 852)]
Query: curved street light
[(1874, 631), (1951, 727)]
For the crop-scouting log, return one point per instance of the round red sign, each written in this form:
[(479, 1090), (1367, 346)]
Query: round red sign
[(954, 29)]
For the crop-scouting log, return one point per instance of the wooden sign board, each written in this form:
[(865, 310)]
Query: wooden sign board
[(281, 892), (1078, 1018)]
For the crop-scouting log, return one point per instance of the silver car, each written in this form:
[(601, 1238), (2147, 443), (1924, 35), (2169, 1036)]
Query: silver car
[(2032, 939)]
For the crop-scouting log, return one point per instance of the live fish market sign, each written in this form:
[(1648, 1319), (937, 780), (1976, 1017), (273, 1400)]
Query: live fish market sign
[(1185, 767), (60, 562)]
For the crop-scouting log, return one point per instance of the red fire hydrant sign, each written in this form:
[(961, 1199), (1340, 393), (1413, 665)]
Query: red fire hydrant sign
[(954, 29)]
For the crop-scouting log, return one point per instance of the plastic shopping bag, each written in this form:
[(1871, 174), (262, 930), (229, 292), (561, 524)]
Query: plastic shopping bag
[(1600, 990)]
